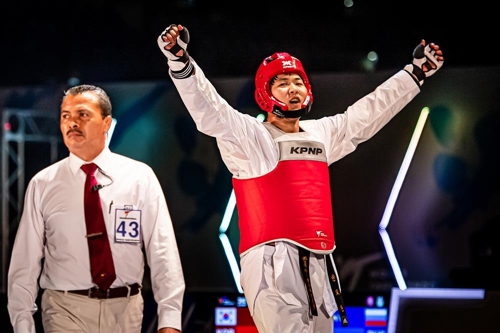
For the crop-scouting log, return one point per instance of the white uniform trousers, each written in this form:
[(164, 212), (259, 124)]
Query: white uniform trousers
[(276, 294)]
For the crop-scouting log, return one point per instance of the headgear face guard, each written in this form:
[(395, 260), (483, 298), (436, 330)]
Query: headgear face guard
[(280, 63)]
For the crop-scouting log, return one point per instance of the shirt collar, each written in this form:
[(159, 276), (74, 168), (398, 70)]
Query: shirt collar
[(75, 162)]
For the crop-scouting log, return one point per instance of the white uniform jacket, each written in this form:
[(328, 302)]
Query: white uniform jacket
[(248, 149)]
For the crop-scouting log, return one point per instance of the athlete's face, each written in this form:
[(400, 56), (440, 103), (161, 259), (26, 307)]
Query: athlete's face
[(289, 89)]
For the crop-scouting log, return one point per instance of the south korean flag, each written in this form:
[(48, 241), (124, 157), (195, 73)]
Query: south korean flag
[(225, 316)]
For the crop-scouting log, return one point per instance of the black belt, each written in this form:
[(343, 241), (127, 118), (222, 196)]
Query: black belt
[(95, 292), (304, 265), (304, 268), (334, 281)]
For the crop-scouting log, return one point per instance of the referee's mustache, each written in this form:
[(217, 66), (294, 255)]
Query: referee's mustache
[(74, 130)]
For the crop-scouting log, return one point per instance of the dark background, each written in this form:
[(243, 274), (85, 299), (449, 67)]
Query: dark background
[(47, 45), (109, 40)]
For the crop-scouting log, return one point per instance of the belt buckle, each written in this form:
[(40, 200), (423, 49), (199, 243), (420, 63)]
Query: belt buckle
[(97, 291), (91, 292)]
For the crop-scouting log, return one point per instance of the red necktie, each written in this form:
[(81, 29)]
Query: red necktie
[(102, 267)]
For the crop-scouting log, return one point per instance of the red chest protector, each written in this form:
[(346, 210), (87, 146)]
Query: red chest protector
[(291, 203)]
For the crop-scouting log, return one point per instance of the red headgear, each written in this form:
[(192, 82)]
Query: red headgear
[(279, 63)]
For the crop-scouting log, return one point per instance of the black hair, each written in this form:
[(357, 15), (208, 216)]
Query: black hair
[(104, 101)]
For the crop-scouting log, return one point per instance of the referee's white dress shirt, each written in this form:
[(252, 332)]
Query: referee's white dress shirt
[(53, 227)]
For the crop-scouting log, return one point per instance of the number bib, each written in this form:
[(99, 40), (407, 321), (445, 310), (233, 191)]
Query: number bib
[(127, 225)]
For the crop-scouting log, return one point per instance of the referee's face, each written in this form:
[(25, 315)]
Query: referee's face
[(82, 125)]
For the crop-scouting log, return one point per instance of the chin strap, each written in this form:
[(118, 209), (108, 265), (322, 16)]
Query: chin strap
[(291, 114)]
